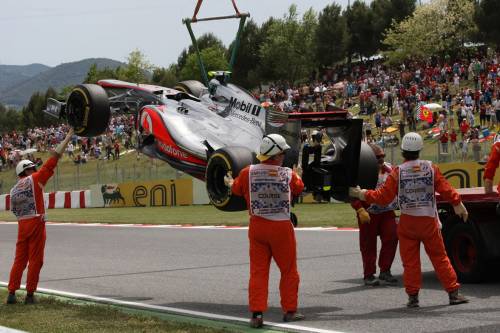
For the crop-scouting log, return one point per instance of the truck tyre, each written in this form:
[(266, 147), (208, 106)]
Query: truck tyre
[(192, 87), (466, 252), (232, 159), (87, 110)]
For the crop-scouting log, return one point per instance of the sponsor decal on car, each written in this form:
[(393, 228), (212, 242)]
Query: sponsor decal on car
[(247, 107), (172, 151)]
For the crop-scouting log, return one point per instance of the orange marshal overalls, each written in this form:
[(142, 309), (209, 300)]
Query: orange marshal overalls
[(493, 161), (270, 239), (31, 233), (383, 223), (413, 230)]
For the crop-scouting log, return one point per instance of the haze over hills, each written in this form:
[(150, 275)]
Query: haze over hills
[(18, 83)]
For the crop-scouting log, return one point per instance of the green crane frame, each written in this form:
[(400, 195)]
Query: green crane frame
[(194, 19)]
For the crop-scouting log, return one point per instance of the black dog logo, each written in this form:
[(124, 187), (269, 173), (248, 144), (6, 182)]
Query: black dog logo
[(111, 194)]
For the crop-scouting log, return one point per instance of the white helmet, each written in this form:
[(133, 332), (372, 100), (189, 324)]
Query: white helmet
[(412, 142), (272, 144), (24, 165)]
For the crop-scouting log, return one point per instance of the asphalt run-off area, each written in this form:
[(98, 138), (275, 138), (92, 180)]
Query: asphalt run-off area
[(204, 272)]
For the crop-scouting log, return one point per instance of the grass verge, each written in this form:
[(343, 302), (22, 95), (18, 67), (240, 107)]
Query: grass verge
[(57, 314), (310, 215)]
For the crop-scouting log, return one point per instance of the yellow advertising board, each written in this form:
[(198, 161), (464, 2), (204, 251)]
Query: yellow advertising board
[(172, 192), (464, 175)]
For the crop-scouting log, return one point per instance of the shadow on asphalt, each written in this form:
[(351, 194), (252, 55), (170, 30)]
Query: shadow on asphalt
[(481, 329), (274, 314), (429, 281), (434, 311)]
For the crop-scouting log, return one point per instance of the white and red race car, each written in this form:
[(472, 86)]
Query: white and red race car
[(206, 132)]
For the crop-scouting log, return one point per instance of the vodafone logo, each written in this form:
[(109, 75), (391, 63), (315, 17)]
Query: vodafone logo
[(172, 151)]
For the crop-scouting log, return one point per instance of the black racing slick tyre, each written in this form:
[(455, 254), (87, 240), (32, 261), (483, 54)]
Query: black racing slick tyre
[(87, 110), (192, 87), (222, 161)]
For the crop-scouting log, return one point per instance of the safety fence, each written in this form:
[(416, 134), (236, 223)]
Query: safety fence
[(190, 191), (71, 176), (439, 153)]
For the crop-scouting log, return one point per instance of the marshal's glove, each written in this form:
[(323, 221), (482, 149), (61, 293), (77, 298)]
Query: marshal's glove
[(357, 192), (363, 216), (461, 211), (228, 179)]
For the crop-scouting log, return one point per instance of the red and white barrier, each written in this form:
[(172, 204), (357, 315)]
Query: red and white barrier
[(60, 199)]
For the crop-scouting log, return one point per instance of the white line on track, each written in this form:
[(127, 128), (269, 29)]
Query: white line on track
[(178, 226), (172, 310)]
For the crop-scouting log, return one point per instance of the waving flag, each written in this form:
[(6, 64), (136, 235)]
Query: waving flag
[(423, 113)]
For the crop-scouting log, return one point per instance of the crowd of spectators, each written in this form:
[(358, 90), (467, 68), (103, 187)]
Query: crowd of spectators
[(15, 146), (466, 91)]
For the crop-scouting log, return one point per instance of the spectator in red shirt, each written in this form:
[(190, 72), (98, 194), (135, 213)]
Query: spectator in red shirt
[(453, 141), (464, 127), (444, 141)]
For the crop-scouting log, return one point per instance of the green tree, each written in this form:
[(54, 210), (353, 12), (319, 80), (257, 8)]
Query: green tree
[(166, 77), (384, 14), (10, 119), (246, 66), (360, 29), (436, 28), (488, 20), (331, 36), (289, 49), (136, 69), (213, 59), (205, 41), (94, 74)]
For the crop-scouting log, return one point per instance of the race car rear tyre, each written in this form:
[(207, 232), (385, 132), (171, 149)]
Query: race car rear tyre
[(466, 252), (232, 159), (368, 167), (193, 87), (87, 110)]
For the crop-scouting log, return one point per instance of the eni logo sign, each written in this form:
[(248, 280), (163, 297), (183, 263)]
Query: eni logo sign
[(464, 175), (163, 192), (155, 196)]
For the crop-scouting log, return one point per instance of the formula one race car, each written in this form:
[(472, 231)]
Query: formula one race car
[(208, 131)]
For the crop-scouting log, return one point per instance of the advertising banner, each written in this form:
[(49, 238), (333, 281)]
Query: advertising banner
[(172, 192), (465, 175)]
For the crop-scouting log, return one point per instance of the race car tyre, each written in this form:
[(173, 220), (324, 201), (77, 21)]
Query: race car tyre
[(368, 167), (87, 110), (466, 252), (232, 159), (192, 87)]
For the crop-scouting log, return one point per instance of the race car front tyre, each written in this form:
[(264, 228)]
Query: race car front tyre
[(87, 110), (192, 87), (232, 159)]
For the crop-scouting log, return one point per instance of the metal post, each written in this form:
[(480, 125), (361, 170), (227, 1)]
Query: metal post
[(236, 43), (57, 179), (195, 45), (439, 151), (98, 173)]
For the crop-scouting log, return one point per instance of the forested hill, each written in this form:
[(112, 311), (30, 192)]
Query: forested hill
[(13, 74), (18, 83)]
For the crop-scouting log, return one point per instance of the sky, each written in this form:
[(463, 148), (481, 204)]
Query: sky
[(52, 32)]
